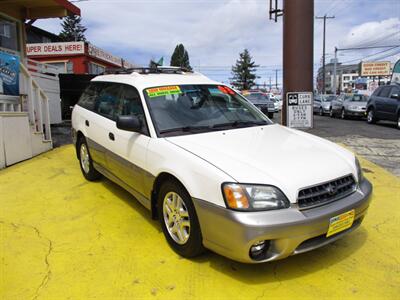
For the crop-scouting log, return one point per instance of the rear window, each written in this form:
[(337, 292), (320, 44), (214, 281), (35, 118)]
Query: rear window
[(385, 91), (89, 96)]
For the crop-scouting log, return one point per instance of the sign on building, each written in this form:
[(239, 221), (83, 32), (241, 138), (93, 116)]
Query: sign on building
[(55, 48), (9, 74), (299, 109), (103, 55), (376, 68)]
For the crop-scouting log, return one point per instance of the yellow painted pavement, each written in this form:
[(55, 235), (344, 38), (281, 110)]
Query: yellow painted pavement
[(62, 237)]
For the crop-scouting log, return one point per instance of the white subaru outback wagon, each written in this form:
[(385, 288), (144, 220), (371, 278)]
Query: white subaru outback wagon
[(214, 170)]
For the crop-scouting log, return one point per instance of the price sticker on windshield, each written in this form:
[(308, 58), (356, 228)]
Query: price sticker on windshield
[(163, 91), (299, 109)]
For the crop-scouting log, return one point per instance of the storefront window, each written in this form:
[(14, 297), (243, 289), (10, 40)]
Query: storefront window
[(96, 69), (8, 35)]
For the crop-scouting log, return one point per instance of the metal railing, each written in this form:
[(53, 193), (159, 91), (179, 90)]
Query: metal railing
[(35, 102)]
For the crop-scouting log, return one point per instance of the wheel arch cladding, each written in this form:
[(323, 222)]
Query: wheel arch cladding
[(158, 182)]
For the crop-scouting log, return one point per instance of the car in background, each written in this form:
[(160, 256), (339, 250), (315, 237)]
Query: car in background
[(277, 103), (262, 102), (349, 105), (384, 104), (322, 103)]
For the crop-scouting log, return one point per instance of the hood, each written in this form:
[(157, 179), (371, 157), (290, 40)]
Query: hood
[(271, 154)]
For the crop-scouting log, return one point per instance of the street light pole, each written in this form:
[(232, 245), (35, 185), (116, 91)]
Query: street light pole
[(323, 51)]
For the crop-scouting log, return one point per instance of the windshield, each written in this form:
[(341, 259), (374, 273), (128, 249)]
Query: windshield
[(183, 109), (256, 97), (328, 98), (357, 98)]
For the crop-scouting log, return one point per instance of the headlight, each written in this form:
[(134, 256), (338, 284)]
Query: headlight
[(360, 175), (246, 197)]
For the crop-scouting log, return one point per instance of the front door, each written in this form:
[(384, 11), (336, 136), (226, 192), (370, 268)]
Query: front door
[(127, 158)]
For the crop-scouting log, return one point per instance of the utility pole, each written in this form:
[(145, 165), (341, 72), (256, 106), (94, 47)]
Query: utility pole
[(298, 44), (276, 79), (270, 84), (323, 50)]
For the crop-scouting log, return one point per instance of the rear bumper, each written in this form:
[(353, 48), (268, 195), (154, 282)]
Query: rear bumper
[(290, 231)]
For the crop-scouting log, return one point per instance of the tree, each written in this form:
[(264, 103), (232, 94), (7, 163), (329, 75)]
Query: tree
[(180, 57), (243, 71), (72, 30)]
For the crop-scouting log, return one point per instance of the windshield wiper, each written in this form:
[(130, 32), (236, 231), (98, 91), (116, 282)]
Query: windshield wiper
[(239, 123), (186, 129)]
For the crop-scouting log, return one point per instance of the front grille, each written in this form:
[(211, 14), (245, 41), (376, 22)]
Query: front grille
[(326, 192)]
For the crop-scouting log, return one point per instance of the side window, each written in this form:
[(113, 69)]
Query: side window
[(108, 101), (377, 92), (395, 91), (385, 92), (89, 96), (131, 104)]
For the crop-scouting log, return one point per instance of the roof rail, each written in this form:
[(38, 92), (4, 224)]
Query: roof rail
[(148, 70)]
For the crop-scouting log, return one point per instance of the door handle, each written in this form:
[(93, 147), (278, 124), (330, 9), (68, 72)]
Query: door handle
[(111, 136), (87, 123)]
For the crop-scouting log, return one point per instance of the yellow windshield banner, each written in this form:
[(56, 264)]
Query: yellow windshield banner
[(163, 90)]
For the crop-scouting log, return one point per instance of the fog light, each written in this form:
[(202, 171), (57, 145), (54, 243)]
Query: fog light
[(259, 249)]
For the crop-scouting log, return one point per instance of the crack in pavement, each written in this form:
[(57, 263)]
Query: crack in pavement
[(47, 277)]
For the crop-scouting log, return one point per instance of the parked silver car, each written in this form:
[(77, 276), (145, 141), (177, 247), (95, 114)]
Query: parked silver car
[(349, 105), (262, 102), (322, 104)]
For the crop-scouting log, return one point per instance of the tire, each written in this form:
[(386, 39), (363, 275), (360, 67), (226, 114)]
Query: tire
[(85, 161), (343, 114), (398, 121), (371, 119), (331, 114), (186, 240), (271, 115), (321, 111)]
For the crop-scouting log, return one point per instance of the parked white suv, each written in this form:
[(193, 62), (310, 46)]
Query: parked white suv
[(214, 170)]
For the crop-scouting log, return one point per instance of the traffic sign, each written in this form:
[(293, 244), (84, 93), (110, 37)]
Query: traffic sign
[(299, 109)]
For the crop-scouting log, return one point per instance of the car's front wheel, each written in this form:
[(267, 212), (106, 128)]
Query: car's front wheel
[(371, 119), (85, 161), (321, 111), (398, 121), (331, 113), (179, 220), (343, 114)]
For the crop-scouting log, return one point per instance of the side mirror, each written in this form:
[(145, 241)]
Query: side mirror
[(395, 96), (129, 123)]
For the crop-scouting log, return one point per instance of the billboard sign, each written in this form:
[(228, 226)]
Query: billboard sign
[(103, 55), (9, 74), (376, 68), (47, 49), (299, 109)]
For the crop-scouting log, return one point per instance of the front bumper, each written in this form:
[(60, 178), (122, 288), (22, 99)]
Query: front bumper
[(356, 113), (290, 231)]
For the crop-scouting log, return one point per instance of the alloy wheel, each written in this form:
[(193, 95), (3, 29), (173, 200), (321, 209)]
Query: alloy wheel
[(85, 160), (176, 218), (370, 116), (321, 112)]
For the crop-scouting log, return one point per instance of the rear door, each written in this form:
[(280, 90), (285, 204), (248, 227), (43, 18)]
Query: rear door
[(127, 158), (103, 119)]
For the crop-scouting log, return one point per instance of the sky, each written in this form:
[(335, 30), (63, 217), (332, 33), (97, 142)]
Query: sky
[(215, 31)]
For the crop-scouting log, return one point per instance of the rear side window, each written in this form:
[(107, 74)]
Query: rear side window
[(377, 92), (107, 102), (89, 96), (385, 92), (395, 91)]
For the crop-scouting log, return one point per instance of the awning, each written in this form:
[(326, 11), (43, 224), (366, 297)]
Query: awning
[(38, 9)]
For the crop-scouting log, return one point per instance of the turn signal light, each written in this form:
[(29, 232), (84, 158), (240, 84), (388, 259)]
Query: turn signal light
[(235, 196)]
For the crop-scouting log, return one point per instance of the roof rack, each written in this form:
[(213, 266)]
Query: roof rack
[(148, 70)]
